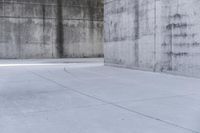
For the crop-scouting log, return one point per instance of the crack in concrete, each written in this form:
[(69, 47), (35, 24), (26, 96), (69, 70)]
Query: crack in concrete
[(116, 105), (154, 98)]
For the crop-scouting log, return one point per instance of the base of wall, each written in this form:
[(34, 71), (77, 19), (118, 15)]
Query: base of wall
[(173, 73)]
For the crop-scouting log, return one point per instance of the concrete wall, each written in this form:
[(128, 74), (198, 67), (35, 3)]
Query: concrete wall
[(155, 35), (51, 28)]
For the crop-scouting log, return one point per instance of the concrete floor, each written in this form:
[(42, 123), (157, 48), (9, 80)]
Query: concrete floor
[(56, 96)]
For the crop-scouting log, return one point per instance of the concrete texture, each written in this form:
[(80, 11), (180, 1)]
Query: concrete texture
[(87, 97), (155, 35), (51, 28)]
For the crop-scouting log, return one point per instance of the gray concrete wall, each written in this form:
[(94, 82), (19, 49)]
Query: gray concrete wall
[(51, 28), (155, 35)]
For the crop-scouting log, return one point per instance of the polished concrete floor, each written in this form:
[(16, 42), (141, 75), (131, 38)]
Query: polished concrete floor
[(83, 96)]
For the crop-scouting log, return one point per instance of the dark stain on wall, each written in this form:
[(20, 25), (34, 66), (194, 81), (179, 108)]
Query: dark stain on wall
[(44, 23), (177, 16), (90, 4), (18, 37), (137, 30), (185, 44), (176, 25), (179, 38), (177, 54), (184, 35), (59, 30)]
